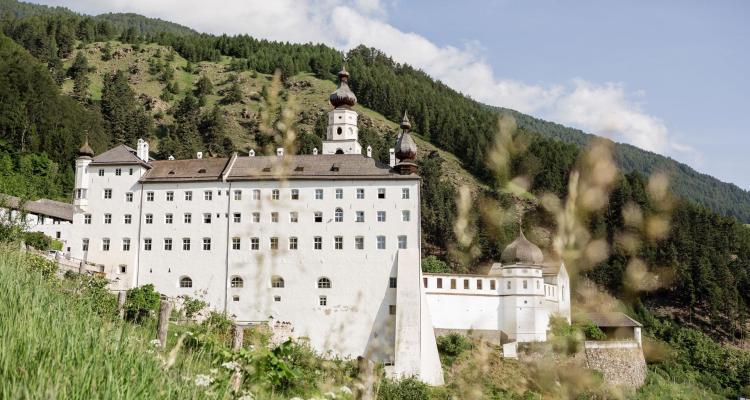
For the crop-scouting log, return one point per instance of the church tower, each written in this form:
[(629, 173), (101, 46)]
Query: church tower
[(85, 156), (342, 134)]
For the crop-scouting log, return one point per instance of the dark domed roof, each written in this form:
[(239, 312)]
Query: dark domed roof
[(522, 251), (406, 148), (343, 96), (85, 150)]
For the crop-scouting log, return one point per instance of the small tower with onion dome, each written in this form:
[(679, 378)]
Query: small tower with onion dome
[(85, 156), (342, 134), (406, 149)]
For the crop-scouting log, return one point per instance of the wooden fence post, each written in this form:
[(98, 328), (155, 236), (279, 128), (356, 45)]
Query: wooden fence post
[(121, 296), (366, 379), (163, 326), (238, 337), (82, 267)]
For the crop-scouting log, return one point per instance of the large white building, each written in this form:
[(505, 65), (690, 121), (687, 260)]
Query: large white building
[(327, 245)]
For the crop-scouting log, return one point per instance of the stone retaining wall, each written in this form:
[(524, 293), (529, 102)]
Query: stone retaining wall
[(620, 362)]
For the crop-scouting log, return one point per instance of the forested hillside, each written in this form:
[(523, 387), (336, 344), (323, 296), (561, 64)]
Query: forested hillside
[(119, 77)]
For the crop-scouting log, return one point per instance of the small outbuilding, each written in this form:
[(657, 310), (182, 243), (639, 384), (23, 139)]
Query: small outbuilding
[(617, 325)]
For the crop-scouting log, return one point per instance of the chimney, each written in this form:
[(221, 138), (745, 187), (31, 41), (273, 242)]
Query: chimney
[(315, 151), (369, 151), (392, 154), (199, 155), (280, 151), (251, 153), (142, 150)]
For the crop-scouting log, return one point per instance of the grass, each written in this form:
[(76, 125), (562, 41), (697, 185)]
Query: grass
[(53, 346)]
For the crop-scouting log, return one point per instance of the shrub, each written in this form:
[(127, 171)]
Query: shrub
[(591, 331), (451, 346), (405, 389), (434, 265), (141, 302), (192, 306), (41, 265), (37, 240)]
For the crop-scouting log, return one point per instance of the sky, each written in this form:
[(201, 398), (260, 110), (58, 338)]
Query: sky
[(671, 77)]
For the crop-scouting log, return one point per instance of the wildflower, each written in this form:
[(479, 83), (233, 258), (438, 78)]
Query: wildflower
[(203, 380), (154, 342), (330, 395), (345, 390), (231, 365), (213, 371)]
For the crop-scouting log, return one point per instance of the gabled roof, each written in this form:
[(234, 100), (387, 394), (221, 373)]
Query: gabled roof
[(612, 320), (119, 155), (50, 208), (199, 169)]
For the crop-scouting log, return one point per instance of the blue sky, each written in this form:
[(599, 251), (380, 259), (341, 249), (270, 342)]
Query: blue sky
[(668, 76)]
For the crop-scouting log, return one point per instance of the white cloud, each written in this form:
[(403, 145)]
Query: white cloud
[(605, 109)]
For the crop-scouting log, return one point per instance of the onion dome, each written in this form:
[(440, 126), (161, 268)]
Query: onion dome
[(343, 96), (406, 148), (85, 150), (522, 251)]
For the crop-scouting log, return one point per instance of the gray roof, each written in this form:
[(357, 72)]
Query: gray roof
[(120, 155), (50, 208), (612, 320), (522, 251), (291, 167)]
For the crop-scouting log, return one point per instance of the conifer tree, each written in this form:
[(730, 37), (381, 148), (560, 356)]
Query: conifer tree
[(126, 119)]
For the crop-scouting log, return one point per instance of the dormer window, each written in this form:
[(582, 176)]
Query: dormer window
[(202, 171), (335, 167)]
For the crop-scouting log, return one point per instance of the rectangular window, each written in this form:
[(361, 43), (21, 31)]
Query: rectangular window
[(295, 194), (170, 196), (254, 243), (168, 218), (275, 194), (323, 300), (318, 194), (492, 285), (207, 218), (101, 172), (274, 217), (381, 193), (392, 282), (453, 283), (149, 218), (238, 194), (338, 242), (466, 283), (186, 244), (339, 194), (130, 171), (147, 244), (85, 245), (424, 282), (208, 195), (126, 244), (293, 217), (402, 242), (439, 283), (318, 243), (360, 216), (360, 193), (236, 243), (392, 309), (128, 218), (237, 217), (105, 244), (188, 218), (274, 243), (381, 242), (118, 171), (292, 243), (87, 219), (168, 244), (507, 286), (149, 196), (525, 284), (107, 193), (479, 284), (256, 217), (129, 197), (381, 216), (107, 218), (359, 243), (404, 193), (206, 244), (189, 196), (256, 194), (405, 215), (318, 216)]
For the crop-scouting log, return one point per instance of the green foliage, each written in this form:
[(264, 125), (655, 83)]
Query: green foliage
[(405, 389), (126, 119), (591, 331), (141, 303), (233, 94), (438, 203), (203, 87), (107, 52), (451, 346), (40, 265), (192, 306), (432, 264), (37, 240)]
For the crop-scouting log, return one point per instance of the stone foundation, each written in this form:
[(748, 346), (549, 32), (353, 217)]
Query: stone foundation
[(620, 362)]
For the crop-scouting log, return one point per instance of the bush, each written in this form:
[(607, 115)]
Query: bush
[(41, 265), (434, 265), (451, 346), (405, 389), (37, 240), (591, 331), (192, 306), (141, 302)]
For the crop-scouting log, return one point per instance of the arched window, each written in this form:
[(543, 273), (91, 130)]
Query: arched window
[(339, 215), (277, 282), (237, 282), (324, 283), (339, 151), (186, 282)]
